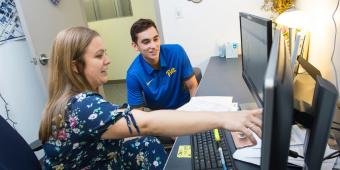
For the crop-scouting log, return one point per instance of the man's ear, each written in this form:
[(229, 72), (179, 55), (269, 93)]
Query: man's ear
[(135, 46), (74, 66)]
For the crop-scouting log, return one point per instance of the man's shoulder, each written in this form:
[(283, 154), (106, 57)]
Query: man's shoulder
[(135, 66), (171, 47), (132, 73), (172, 51)]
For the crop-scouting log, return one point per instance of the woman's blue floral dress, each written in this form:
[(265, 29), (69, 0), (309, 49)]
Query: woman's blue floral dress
[(78, 144)]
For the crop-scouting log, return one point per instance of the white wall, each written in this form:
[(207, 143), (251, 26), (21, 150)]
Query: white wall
[(322, 35), (21, 88), (200, 26)]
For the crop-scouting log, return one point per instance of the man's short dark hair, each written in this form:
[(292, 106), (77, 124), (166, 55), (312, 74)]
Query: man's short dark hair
[(140, 26)]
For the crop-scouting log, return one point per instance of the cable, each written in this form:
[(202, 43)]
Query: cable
[(334, 128), (332, 155), (336, 122), (336, 31), (295, 154), (7, 112)]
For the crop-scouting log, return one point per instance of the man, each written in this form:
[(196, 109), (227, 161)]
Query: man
[(161, 76)]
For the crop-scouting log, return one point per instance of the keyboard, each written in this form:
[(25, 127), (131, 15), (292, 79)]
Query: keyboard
[(205, 154)]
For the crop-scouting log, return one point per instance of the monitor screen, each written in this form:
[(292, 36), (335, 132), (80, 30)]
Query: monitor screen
[(256, 40), (277, 107)]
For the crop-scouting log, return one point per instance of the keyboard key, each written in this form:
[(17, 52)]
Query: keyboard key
[(214, 165), (202, 164)]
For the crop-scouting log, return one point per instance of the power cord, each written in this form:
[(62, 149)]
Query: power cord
[(7, 112), (336, 30), (295, 154), (332, 155), (337, 123), (334, 128)]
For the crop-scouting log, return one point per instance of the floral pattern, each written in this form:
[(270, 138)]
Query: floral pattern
[(78, 144)]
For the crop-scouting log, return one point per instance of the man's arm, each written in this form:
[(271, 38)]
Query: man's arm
[(191, 84), (188, 75)]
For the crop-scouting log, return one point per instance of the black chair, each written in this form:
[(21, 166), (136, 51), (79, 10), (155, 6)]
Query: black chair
[(198, 74), (15, 153)]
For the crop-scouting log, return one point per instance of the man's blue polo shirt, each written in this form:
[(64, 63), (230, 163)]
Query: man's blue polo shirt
[(164, 88)]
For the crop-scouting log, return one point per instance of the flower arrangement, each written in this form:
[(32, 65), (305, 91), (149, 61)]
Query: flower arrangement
[(277, 6)]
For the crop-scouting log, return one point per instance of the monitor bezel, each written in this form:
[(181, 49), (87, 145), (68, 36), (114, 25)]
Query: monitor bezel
[(268, 24), (278, 107)]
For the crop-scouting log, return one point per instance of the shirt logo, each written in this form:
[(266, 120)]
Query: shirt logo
[(148, 83), (170, 71)]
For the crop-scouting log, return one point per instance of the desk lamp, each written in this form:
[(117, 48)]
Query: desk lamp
[(296, 24)]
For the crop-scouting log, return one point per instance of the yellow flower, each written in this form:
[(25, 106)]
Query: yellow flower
[(140, 158), (112, 155), (59, 167), (277, 6)]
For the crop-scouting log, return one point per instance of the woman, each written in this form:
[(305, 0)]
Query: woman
[(81, 130)]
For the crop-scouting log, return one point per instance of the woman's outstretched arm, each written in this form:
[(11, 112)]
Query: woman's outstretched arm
[(177, 123)]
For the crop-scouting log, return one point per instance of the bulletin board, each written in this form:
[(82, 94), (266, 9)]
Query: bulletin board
[(10, 26)]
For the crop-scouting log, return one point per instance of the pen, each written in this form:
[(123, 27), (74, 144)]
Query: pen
[(218, 139), (222, 158)]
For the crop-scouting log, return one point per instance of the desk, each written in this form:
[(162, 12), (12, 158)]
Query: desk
[(223, 77)]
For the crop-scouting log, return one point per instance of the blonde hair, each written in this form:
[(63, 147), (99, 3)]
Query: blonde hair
[(63, 82)]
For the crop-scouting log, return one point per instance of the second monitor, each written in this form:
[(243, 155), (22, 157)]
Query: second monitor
[(256, 41)]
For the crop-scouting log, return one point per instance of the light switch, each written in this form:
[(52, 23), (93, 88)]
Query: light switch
[(178, 13)]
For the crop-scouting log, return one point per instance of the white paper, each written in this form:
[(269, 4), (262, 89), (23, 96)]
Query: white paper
[(210, 103)]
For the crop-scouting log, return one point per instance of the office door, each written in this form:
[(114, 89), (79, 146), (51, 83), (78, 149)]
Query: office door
[(25, 86), (41, 21)]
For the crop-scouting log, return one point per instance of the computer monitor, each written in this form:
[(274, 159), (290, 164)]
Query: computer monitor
[(318, 118), (256, 40), (277, 107)]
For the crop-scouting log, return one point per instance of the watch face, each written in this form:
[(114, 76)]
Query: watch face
[(55, 2)]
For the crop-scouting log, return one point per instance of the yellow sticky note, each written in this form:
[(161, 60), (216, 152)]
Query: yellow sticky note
[(184, 151)]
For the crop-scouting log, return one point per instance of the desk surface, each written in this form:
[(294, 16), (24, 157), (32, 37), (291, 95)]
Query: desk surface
[(223, 77)]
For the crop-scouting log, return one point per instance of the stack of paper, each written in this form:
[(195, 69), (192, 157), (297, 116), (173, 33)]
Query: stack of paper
[(253, 154), (210, 103)]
